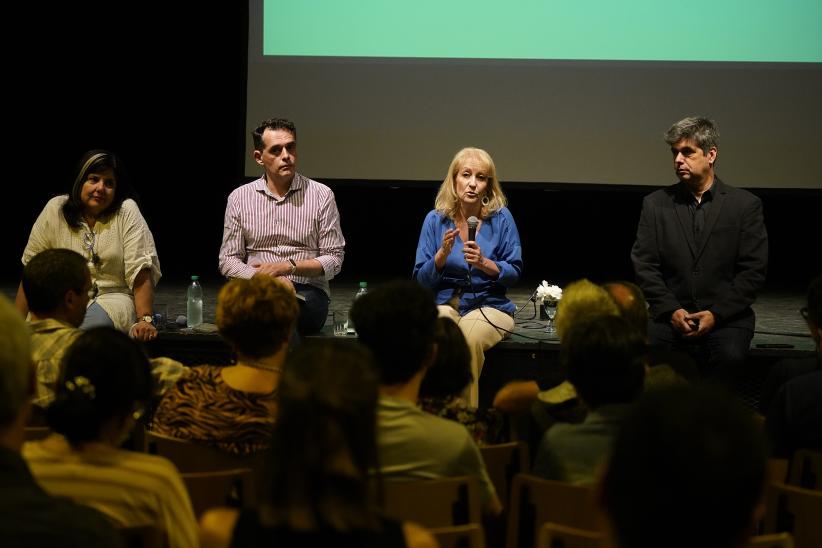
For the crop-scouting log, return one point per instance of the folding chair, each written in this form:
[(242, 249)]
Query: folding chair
[(553, 535), (794, 510), (536, 501), (806, 469), (460, 536), (504, 461), (434, 503)]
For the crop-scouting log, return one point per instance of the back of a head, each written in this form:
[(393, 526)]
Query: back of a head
[(687, 469), (396, 321), (605, 360), (582, 301), (631, 302), (15, 363), (451, 371), (324, 440), (105, 375), (49, 275), (814, 302), (256, 315)]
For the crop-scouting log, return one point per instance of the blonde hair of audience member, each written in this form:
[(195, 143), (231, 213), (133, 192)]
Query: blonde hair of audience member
[(16, 375), (447, 201), (256, 316), (582, 300), (323, 448)]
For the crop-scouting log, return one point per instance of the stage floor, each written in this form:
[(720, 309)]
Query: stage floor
[(778, 321)]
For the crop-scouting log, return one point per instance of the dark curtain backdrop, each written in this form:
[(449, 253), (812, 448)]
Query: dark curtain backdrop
[(164, 86)]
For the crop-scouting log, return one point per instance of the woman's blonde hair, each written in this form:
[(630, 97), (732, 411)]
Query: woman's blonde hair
[(447, 201), (256, 315), (582, 301)]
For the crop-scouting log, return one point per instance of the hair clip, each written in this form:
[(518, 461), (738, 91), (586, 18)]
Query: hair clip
[(82, 384)]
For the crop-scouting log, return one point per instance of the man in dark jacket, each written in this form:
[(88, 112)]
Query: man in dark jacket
[(700, 255)]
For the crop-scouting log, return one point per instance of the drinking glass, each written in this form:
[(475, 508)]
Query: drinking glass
[(550, 311)]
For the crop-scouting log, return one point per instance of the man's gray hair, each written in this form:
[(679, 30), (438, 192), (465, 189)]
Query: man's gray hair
[(15, 362), (701, 130)]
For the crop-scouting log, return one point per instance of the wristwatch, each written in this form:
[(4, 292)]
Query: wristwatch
[(147, 318)]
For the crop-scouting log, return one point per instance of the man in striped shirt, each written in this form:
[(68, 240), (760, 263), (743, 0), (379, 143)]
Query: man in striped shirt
[(284, 225)]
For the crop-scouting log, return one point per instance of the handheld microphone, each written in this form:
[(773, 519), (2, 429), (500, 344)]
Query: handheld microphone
[(472, 228)]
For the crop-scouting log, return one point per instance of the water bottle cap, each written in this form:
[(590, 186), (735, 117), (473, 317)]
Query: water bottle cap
[(195, 278), (363, 284)]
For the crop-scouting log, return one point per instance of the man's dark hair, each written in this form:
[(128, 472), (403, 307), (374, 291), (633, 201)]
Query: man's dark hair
[(605, 361), (451, 371), (272, 124), (631, 302), (396, 321), (687, 469), (701, 130), (49, 275), (815, 301)]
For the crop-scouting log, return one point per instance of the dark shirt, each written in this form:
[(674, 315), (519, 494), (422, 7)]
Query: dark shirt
[(30, 517), (794, 419), (782, 372), (249, 532), (699, 211)]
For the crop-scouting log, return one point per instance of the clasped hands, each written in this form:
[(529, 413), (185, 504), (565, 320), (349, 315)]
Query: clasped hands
[(692, 325), (278, 271)]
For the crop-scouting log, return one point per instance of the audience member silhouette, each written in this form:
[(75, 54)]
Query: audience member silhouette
[(317, 491)]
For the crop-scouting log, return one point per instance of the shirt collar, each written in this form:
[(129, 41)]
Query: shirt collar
[(298, 183)]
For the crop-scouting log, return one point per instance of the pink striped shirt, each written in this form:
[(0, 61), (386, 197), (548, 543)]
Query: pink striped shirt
[(261, 228)]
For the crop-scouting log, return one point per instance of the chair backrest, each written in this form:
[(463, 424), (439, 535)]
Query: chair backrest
[(220, 488), (806, 469), (554, 535), (536, 501), (460, 536), (144, 536), (794, 510), (504, 461), (778, 540), (190, 457), (778, 470), (34, 433), (433, 503)]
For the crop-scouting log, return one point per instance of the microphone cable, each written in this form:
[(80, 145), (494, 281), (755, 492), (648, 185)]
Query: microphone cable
[(495, 326)]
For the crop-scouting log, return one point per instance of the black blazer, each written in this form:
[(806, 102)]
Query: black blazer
[(722, 273)]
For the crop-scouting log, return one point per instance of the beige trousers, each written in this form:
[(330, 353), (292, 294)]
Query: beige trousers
[(480, 336)]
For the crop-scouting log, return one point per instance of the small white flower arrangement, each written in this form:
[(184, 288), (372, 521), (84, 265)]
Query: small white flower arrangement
[(548, 293)]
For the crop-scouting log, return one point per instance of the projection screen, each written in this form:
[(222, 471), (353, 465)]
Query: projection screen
[(557, 92)]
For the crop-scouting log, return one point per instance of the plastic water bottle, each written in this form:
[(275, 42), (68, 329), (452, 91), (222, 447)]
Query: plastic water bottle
[(194, 303), (349, 327)]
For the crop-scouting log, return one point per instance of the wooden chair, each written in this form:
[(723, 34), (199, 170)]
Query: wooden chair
[(778, 470), (553, 535), (144, 536), (439, 502), (806, 469), (460, 536), (779, 540), (220, 488), (190, 457), (794, 510), (536, 501), (34, 433), (503, 462)]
